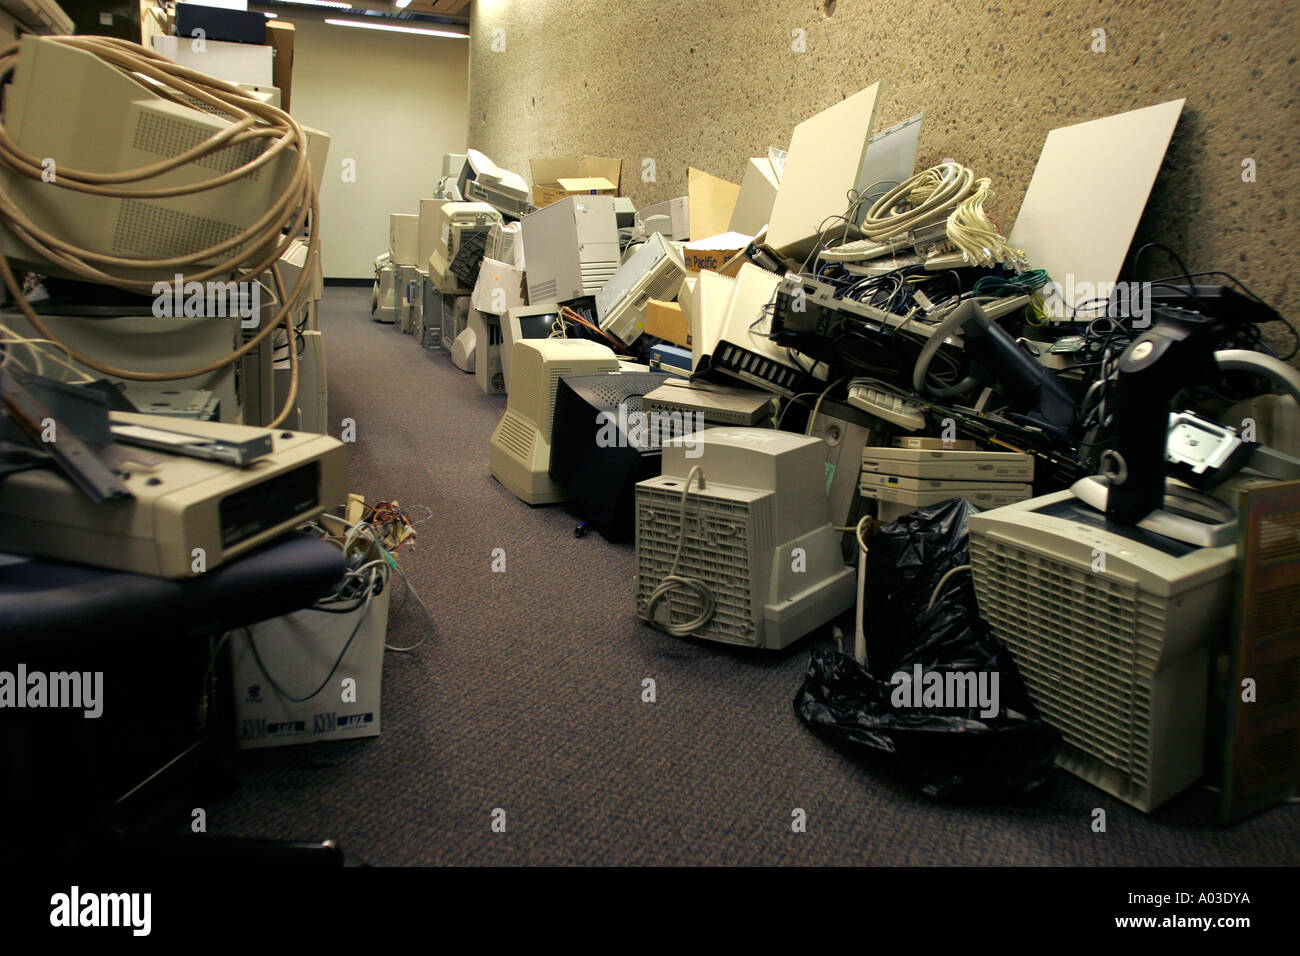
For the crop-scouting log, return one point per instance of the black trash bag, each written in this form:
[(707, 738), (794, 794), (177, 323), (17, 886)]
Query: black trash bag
[(906, 561), (951, 706)]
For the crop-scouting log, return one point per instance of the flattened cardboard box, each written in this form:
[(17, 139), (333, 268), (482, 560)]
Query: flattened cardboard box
[(547, 173), (279, 37)]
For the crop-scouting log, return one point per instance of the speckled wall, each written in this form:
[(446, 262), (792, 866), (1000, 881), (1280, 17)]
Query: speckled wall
[(712, 82)]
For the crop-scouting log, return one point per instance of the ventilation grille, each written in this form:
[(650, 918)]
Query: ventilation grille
[(516, 435), (147, 230), (556, 372), (596, 273), (542, 291), (617, 393), (198, 104), (755, 368), (667, 284), (1276, 612), (164, 135), (722, 537), (1271, 760), (1089, 647), (1279, 537)]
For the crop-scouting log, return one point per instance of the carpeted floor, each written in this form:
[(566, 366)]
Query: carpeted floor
[(529, 700)]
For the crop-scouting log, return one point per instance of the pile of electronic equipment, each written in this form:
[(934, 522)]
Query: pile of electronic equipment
[(858, 340)]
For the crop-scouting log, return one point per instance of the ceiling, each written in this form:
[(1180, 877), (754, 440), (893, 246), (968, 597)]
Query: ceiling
[(435, 11)]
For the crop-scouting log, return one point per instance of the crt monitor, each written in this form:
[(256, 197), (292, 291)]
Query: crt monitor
[(603, 442), (525, 322)]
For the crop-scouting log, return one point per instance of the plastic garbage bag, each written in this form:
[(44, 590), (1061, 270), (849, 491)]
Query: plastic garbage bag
[(905, 563), (942, 695)]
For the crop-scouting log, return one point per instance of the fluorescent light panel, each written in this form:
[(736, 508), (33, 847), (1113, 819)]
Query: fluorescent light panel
[(336, 4), (396, 29)]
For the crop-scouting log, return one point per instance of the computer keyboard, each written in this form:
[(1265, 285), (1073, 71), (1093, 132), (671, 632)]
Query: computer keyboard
[(874, 400)]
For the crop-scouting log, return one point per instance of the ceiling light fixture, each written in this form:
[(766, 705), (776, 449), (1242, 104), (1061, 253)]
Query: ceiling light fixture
[(396, 29), (336, 4)]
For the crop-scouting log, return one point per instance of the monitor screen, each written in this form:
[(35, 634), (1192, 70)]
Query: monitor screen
[(537, 326)]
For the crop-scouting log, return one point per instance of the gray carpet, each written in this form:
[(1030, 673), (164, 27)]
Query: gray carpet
[(528, 700)]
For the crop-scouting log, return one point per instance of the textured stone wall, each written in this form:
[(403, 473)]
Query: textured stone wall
[(711, 83)]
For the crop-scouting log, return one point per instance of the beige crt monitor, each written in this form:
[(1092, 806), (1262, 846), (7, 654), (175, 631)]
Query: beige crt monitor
[(69, 105), (148, 343), (520, 456), (188, 515)]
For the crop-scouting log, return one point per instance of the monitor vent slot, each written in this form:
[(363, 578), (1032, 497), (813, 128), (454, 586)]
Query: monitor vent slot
[(164, 135), (516, 435), (721, 537), (148, 230), (1090, 648)]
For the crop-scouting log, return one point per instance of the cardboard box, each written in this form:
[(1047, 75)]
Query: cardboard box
[(279, 37), (298, 651), (547, 174), (665, 320), (713, 200), (715, 252)]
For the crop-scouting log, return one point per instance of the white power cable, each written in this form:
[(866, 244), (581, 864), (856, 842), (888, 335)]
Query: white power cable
[(674, 581), (938, 588)]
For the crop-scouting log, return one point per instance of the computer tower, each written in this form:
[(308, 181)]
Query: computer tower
[(404, 238), (653, 271), (408, 297), (455, 317), (458, 223), (603, 443), (428, 330), (488, 369), (845, 430), (571, 248), (295, 654), (430, 224)]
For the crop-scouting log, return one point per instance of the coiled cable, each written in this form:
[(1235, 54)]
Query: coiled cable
[(248, 254)]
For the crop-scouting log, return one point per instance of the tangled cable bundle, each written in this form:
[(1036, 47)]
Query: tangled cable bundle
[(947, 193), (245, 256), (925, 199)]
